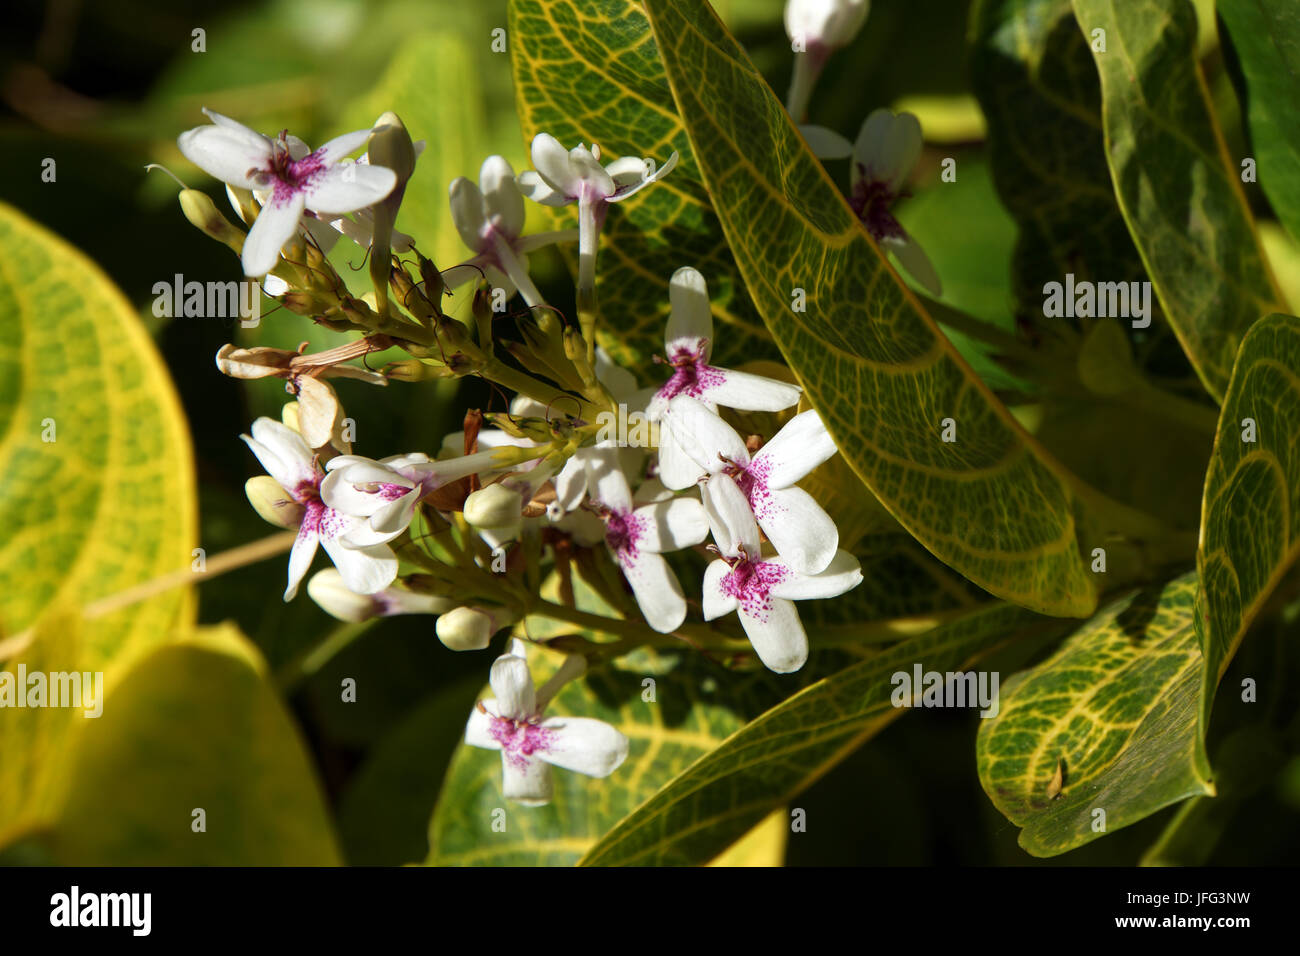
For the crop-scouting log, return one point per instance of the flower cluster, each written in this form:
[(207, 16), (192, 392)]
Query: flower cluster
[(672, 530)]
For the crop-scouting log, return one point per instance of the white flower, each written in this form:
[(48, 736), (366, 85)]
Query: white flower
[(638, 536), (288, 460), (490, 220), (529, 744), (293, 179), (802, 533), (825, 24), (688, 342), (383, 494), (565, 176), (880, 161), (327, 589), (762, 591)]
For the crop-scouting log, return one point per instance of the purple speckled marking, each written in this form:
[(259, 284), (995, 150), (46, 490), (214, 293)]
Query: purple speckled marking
[(871, 200), (319, 518), (752, 480), (691, 376), (520, 740), (390, 492), (750, 583), (292, 176), (623, 531)]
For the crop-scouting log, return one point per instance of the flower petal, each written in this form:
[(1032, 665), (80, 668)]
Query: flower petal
[(526, 780), (753, 393), (799, 447), (777, 635), (915, 262), (553, 165), (503, 202), (802, 533), (300, 557), (365, 570), (672, 525), (677, 470), (844, 573), (705, 437), (584, 745), (275, 225), (345, 145), (282, 452), (318, 410), (606, 482), (730, 519), (691, 318), (826, 143), (571, 483), (478, 729), (716, 601), (540, 191), (657, 592), (347, 187), (513, 685), (620, 382), (467, 212), (235, 156)]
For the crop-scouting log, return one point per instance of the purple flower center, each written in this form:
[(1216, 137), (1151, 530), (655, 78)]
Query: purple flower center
[(870, 201), (520, 739), (751, 582), (385, 490), (691, 376), (623, 531), (319, 518), (292, 176)]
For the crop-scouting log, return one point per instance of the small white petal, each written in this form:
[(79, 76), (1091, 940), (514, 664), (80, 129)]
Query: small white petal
[(319, 411), (478, 730), (677, 470), (540, 191), (826, 143), (526, 780), (802, 533), (705, 437), (915, 262), (753, 393), (606, 482), (585, 745), (777, 635), (345, 145), (620, 382), (300, 557), (672, 525), (716, 601), (657, 592), (691, 318), (275, 225), (345, 188), (513, 685), (282, 452), (799, 447), (869, 147), (364, 570), (730, 519), (844, 573), (467, 212), (502, 200), (571, 483), (552, 162), (236, 157)]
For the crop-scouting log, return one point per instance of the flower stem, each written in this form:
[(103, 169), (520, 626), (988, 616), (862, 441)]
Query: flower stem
[(514, 267), (807, 68), (588, 241)]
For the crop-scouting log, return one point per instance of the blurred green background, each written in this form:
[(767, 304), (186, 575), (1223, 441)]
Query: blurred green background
[(105, 87)]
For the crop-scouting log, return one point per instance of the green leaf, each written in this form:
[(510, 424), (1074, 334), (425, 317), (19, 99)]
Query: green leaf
[(1034, 77), (1108, 723), (589, 71), (194, 725), (685, 721), (780, 754), (1249, 538), (872, 361), (1177, 186), (105, 505), (1265, 35)]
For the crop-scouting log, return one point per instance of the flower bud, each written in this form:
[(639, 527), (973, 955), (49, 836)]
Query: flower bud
[(824, 24), (273, 503), (200, 210), (466, 629), (494, 508), (327, 589)]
